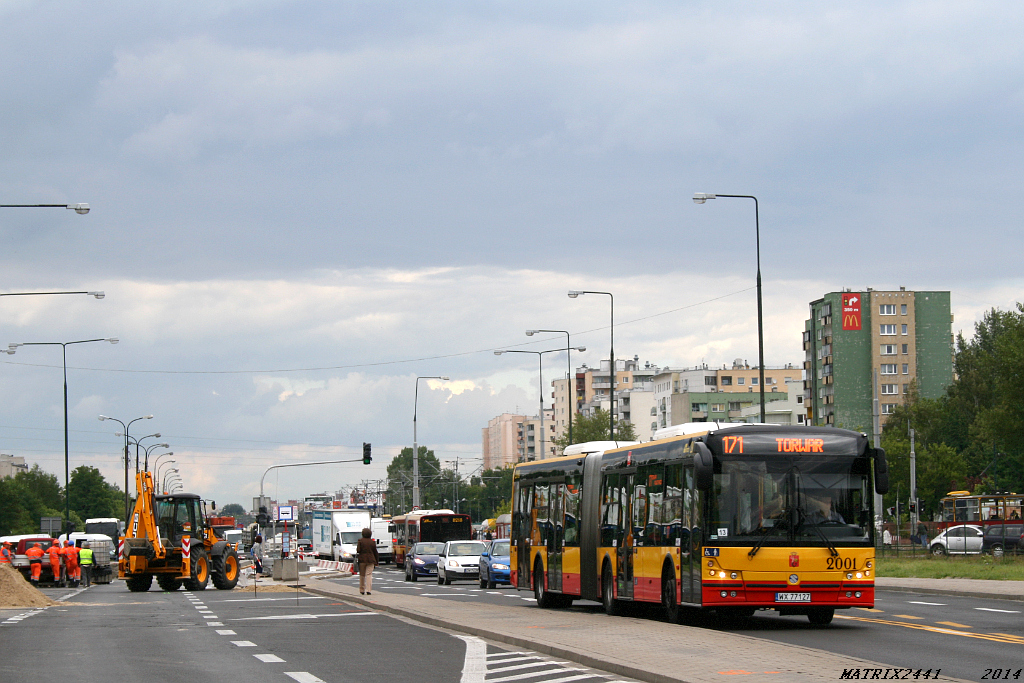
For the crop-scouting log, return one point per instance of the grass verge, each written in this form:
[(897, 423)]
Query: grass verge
[(964, 567)]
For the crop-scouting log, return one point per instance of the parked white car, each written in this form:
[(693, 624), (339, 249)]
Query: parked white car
[(459, 560), (958, 540)]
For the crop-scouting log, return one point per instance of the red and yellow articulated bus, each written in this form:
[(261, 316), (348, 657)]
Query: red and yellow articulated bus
[(435, 526), (723, 518)]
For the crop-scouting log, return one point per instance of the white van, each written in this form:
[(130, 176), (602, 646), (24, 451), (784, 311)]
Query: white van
[(385, 547)]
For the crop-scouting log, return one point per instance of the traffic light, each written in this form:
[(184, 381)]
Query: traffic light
[(366, 454), (913, 507), (891, 511), (263, 518)]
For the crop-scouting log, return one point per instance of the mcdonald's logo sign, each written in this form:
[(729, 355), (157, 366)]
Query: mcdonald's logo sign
[(851, 311)]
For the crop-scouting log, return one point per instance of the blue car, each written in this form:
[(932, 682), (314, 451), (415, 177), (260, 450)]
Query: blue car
[(422, 560), (494, 564)]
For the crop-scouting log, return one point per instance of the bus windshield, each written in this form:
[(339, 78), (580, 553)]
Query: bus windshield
[(791, 500)]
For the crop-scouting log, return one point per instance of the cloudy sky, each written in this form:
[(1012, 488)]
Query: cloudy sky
[(298, 207)]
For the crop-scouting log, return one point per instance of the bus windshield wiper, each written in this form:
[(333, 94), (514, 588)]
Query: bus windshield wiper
[(760, 542), (831, 547)]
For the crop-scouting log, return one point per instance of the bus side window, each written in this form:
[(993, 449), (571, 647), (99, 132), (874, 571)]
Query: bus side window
[(672, 506), (542, 531), (572, 509), (609, 509)]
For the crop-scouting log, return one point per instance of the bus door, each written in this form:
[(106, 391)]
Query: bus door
[(556, 537), (523, 522), (626, 545)]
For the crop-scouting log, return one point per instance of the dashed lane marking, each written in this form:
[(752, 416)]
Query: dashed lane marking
[(267, 659), (953, 624), (303, 677), (917, 602), (906, 616), (304, 616), (293, 598), (994, 637), (225, 632), (1004, 611), (243, 643)]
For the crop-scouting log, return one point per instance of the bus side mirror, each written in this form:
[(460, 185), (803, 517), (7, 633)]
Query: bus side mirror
[(881, 472), (703, 467)]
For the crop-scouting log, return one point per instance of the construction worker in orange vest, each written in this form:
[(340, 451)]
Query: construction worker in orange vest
[(54, 552), (6, 556), (35, 558), (71, 563)]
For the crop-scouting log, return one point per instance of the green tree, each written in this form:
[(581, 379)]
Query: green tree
[(27, 497), (233, 510), (93, 496), (594, 427), (433, 480)]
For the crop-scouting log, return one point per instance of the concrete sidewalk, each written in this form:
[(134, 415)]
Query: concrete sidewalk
[(641, 648)]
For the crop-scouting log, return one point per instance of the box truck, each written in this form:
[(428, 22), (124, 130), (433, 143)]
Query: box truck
[(336, 532)]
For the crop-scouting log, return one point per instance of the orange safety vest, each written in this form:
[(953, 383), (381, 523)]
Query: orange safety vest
[(71, 556), (5, 555), (34, 554), (54, 553)]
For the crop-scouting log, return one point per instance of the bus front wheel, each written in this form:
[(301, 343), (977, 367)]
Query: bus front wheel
[(669, 603), (821, 616)]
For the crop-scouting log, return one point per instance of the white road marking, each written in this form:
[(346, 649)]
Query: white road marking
[(268, 658), (474, 668), (210, 617), (548, 676), (916, 602), (243, 643), (304, 616), (303, 677), (214, 623), (225, 632), (448, 595), (1004, 611), (301, 597)]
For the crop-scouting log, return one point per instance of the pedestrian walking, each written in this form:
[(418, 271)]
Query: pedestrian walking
[(922, 535), (85, 561), (35, 561), (366, 555), (71, 566), (256, 551), (54, 554)]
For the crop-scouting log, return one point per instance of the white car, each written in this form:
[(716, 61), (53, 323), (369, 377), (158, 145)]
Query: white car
[(958, 540), (459, 560)]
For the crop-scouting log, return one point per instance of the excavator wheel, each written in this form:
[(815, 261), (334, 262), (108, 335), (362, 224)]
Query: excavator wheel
[(200, 571), (225, 570), (168, 582), (139, 582)]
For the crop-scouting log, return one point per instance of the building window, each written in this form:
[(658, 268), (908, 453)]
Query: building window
[(799, 400), (903, 309), (734, 405), (889, 389), (887, 309), (755, 380), (906, 349), (826, 310), (726, 380), (906, 368), (906, 388), (887, 350), (624, 380), (718, 407), (888, 369), (888, 408), (699, 407), (741, 380), (819, 334), (887, 330), (710, 381), (903, 330)]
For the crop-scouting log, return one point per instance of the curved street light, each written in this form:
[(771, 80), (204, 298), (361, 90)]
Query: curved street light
[(540, 367), (700, 198), (571, 387), (415, 445), (168, 477), (574, 293), (127, 457), (169, 462), (11, 349), (80, 208)]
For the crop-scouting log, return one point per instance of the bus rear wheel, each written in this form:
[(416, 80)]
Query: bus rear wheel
[(544, 599), (669, 603), (608, 601)]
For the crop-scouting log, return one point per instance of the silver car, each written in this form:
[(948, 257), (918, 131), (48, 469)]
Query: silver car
[(958, 540), (459, 560)]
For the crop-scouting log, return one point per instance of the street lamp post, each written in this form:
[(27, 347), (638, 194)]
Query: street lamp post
[(127, 457), (700, 198), (138, 446), (571, 386), (157, 467), (64, 349), (148, 449), (81, 209), (415, 445), (540, 379), (168, 477), (611, 365)]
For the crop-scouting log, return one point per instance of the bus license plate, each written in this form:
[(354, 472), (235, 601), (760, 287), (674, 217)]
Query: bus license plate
[(792, 597)]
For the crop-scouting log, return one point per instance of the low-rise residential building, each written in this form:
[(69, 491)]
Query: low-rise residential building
[(780, 408), (11, 465)]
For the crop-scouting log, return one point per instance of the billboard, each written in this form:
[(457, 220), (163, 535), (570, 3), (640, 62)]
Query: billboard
[(851, 310)]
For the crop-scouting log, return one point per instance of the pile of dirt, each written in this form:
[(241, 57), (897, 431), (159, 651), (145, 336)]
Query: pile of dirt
[(15, 591)]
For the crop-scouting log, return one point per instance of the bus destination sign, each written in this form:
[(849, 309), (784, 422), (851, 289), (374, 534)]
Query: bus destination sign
[(742, 442)]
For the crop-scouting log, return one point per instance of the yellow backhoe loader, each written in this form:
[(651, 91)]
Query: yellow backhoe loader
[(168, 537)]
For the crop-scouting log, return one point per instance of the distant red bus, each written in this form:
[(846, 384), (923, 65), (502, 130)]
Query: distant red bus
[(960, 507), (435, 526)]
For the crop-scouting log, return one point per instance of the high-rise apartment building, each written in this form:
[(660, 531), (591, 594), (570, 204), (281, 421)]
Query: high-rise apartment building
[(862, 346)]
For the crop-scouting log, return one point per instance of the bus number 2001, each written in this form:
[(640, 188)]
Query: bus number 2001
[(842, 563)]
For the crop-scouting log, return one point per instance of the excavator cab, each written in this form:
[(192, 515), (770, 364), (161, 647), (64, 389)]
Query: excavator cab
[(178, 516)]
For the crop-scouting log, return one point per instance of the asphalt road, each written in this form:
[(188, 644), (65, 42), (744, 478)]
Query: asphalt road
[(238, 635), (965, 637)]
